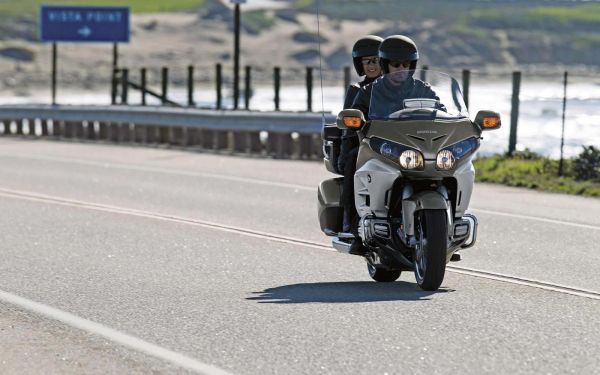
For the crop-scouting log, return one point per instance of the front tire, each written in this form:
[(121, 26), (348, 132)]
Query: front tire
[(431, 229), (382, 275)]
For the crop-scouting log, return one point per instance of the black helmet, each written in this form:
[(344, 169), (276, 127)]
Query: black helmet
[(367, 46), (398, 47)]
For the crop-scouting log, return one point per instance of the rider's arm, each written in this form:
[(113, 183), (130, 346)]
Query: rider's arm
[(427, 92)]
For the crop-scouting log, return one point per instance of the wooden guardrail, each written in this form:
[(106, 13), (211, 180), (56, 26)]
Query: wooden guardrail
[(273, 134)]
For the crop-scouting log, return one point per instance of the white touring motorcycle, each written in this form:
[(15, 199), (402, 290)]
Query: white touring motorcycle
[(413, 181)]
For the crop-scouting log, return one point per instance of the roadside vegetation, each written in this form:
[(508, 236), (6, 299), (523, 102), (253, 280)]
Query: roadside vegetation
[(581, 175), (23, 8), (539, 31)]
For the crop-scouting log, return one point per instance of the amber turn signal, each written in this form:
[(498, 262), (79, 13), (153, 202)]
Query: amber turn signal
[(353, 122), (491, 122)]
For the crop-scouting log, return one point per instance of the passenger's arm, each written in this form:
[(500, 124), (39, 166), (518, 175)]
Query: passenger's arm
[(351, 93), (363, 100)]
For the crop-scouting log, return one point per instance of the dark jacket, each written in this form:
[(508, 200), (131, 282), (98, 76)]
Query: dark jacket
[(412, 88), (349, 137)]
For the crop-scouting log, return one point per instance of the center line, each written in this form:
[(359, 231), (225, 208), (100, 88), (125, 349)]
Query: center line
[(289, 240), (256, 181)]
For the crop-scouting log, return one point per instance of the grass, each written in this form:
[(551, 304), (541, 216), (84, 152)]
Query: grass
[(534, 172), (531, 14), (23, 8), (257, 21), (576, 16)]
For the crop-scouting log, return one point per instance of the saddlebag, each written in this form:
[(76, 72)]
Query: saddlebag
[(330, 211)]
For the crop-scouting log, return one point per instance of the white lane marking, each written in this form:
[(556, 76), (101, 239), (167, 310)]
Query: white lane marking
[(143, 168), (256, 181), (537, 218), (525, 281), (289, 240), (111, 334), (152, 215)]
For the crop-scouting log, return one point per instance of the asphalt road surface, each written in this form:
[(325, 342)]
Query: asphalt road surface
[(123, 259)]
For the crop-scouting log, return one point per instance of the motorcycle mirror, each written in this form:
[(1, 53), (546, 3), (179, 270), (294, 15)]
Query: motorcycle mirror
[(350, 119), (488, 120)]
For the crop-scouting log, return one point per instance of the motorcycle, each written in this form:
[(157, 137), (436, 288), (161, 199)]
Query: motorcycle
[(414, 178)]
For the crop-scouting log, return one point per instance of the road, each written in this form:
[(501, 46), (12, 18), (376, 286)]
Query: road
[(171, 261)]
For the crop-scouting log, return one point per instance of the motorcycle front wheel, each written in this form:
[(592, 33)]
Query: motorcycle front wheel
[(431, 230)]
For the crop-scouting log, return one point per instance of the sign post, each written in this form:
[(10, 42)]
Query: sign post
[(82, 24)]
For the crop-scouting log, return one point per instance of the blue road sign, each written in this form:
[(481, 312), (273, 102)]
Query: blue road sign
[(84, 24)]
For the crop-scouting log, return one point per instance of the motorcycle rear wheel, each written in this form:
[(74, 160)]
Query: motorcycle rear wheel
[(431, 230), (382, 275)]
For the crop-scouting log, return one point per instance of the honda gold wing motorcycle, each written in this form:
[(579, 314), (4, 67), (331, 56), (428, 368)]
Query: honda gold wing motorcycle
[(414, 178)]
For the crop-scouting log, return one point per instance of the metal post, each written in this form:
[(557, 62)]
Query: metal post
[(165, 83), (309, 88), (113, 81), (277, 80), (124, 85), (247, 88), (424, 73), (514, 113), (562, 135), (114, 88), (190, 79), (218, 85), (143, 85), (346, 78), (54, 60), (115, 56), (236, 58), (466, 81)]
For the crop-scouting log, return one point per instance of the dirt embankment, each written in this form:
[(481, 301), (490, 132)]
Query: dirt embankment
[(277, 37)]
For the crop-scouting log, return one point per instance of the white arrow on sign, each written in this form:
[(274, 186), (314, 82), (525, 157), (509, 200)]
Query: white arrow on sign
[(85, 31)]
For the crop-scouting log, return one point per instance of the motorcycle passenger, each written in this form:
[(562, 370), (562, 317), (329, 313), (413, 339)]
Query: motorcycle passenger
[(398, 55), (366, 63)]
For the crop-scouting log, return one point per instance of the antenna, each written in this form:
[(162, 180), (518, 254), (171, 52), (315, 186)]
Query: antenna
[(320, 66)]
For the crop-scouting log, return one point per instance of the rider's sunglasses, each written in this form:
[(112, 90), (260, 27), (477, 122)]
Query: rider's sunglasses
[(373, 60), (397, 64)]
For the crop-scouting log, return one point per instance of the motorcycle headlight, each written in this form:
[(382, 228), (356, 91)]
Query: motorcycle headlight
[(445, 160), (448, 157), (411, 159), (389, 149)]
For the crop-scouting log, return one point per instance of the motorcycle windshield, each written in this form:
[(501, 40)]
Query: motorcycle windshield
[(416, 94)]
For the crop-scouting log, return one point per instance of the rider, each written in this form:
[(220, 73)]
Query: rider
[(366, 63), (398, 55)]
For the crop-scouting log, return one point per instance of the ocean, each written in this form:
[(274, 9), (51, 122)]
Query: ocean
[(539, 121)]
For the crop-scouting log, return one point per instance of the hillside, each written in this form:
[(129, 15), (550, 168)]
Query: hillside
[(452, 35)]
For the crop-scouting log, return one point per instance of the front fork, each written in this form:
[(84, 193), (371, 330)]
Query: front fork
[(461, 232), (425, 200)]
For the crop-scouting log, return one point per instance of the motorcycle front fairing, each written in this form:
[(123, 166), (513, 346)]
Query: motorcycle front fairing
[(427, 125)]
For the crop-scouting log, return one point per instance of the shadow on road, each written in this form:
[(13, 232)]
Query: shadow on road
[(344, 292)]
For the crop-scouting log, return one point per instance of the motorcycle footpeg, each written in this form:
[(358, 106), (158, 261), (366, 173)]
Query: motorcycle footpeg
[(456, 257), (346, 236), (350, 246)]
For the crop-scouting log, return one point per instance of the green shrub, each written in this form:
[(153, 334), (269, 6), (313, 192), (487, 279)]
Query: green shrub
[(586, 165), (530, 170), (256, 21)]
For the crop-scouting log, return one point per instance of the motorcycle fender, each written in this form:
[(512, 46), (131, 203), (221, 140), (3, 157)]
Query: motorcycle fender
[(425, 200)]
